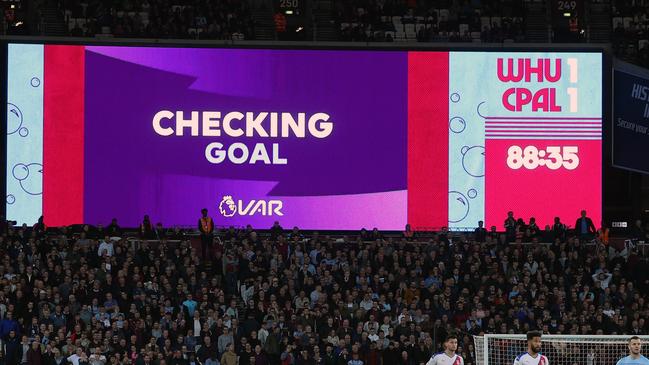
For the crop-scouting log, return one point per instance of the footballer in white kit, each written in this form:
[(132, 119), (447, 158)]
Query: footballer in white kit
[(533, 355), (448, 356)]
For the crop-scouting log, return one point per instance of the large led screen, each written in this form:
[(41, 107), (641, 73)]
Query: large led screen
[(320, 139)]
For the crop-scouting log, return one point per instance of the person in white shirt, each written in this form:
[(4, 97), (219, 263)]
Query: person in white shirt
[(370, 325), (106, 247), (97, 358), (373, 336), (604, 278), (262, 335), (367, 303), (448, 357), (533, 355), (74, 358)]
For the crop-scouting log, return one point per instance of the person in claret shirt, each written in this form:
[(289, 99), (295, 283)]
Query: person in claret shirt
[(283, 247)]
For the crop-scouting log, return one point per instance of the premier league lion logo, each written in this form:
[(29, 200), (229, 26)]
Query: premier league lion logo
[(227, 207)]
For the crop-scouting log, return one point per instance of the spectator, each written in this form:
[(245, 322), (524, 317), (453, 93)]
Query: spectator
[(510, 226), (206, 228), (113, 229), (287, 356), (355, 359), (106, 248), (559, 229), (97, 358), (225, 340), (408, 233), (7, 325), (208, 352), (480, 233), (13, 349), (34, 354), (276, 230), (229, 357), (25, 346), (146, 228), (190, 305), (585, 227), (531, 265), (77, 357), (638, 231), (603, 278)]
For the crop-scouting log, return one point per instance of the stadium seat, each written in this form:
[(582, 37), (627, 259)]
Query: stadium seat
[(409, 28), (443, 14), (485, 21)]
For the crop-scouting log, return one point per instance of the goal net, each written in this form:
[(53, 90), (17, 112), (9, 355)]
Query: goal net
[(559, 349)]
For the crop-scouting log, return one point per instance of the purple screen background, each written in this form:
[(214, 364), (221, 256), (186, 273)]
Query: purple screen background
[(356, 177)]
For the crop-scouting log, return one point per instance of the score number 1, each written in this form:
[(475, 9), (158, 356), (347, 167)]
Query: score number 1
[(553, 157), (572, 91)]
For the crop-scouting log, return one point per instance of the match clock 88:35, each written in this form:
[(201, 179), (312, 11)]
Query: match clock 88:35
[(552, 157)]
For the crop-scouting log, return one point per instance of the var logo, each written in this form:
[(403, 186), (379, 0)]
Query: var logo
[(229, 207)]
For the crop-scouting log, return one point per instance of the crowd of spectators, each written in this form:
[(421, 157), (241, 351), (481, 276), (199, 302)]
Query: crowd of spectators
[(177, 19), (93, 296), (430, 21), (357, 20), (485, 21), (631, 31)]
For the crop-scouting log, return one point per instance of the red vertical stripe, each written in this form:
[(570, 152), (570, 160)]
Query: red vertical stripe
[(63, 135), (428, 139)]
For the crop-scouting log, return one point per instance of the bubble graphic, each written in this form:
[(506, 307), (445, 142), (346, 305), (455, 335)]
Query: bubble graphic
[(458, 206), (457, 124), (478, 109), (35, 81), (455, 97), (473, 160), (30, 177), (14, 118), (11, 199), (23, 131), (20, 171)]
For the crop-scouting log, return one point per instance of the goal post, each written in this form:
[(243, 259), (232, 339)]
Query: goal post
[(495, 349)]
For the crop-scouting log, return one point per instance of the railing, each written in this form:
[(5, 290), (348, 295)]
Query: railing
[(45, 28)]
